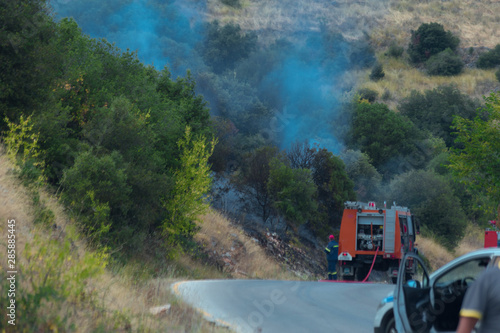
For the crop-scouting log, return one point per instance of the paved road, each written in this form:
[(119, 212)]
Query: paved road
[(249, 306)]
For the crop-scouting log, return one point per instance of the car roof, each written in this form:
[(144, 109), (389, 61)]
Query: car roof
[(487, 252)]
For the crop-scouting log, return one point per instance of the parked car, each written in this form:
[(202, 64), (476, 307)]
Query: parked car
[(431, 303)]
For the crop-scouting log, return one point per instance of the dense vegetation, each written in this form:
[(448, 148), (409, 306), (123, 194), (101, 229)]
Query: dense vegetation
[(107, 130), (126, 145)]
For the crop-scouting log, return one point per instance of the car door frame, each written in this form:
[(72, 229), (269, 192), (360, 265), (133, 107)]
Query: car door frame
[(400, 313)]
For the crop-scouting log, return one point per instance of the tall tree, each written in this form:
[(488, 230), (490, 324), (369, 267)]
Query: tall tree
[(254, 177), (478, 163), (293, 192), (192, 181), (28, 60)]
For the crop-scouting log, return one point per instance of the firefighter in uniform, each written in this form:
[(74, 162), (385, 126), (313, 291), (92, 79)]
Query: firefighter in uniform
[(332, 255)]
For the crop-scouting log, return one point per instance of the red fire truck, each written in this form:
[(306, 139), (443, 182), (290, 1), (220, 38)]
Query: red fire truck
[(492, 237), (367, 231)]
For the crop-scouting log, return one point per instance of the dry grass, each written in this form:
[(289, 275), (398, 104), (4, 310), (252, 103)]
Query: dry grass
[(401, 78), (251, 261), (115, 301), (476, 26), (385, 22), (473, 240), (434, 252), (123, 296), (286, 18), (438, 255)]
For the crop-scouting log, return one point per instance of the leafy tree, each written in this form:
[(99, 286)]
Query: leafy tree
[(180, 95), (428, 40), (187, 201), (235, 100), (381, 133), (497, 74), (365, 176), (293, 192), (23, 146), (58, 141), (445, 63), (334, 188), (96, 187), (489, 59), (225, 46), (29, 62), (119, 127), (431, 198), (478, 164), (434, 109)]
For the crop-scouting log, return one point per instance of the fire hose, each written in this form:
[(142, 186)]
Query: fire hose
[(373, 263)]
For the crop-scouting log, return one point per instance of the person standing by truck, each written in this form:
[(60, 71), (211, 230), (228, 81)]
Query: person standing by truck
[(332, 255)]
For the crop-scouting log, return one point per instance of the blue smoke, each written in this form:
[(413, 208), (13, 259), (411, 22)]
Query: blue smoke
[(301, 87), (162, 34), (307, 83)]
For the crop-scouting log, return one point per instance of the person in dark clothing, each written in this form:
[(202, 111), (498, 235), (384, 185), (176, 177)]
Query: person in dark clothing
[(332, 255), (482, 303)]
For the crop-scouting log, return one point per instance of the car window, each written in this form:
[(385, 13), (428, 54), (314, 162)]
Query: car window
[(471, 269), (417, 275)]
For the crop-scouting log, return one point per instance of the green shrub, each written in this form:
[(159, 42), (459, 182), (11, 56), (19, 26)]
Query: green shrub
[(368, 94), (232, 3), (445, 63), (334, 188), (54, 283), (434, 109), (395, 50), (225, 46), (380, 133), (377, 72), (431, 198), (497, 74), (429, 40), (489, 59), (365, 176), (188, 200), (42, 214), (293, 192)]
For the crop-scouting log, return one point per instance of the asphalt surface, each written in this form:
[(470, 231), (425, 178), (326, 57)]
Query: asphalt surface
[(249, 306)]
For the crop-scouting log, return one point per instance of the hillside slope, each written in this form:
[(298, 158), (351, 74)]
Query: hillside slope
[(384, 23), (65, 285)]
